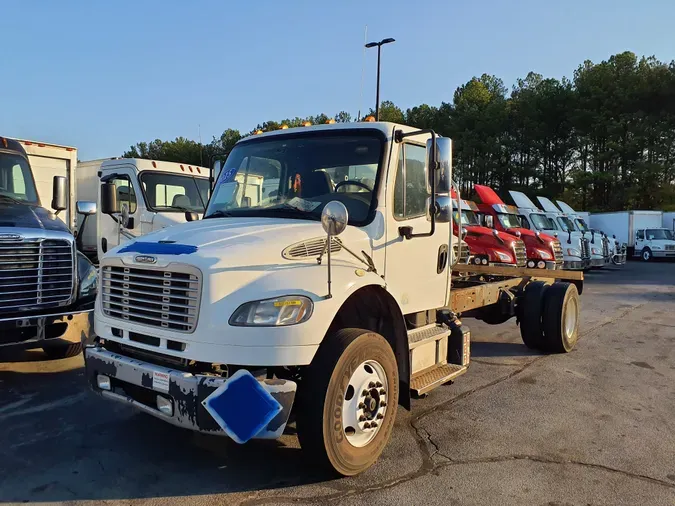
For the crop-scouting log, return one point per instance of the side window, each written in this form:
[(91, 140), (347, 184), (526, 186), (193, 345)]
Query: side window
[(410, 186), (640, 235), (523, 222), (125, 194)]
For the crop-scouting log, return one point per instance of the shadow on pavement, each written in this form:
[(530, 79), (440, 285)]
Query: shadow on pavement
[(500, 349)]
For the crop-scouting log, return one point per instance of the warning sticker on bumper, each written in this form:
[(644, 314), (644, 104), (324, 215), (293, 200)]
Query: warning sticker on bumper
[(160, 381)]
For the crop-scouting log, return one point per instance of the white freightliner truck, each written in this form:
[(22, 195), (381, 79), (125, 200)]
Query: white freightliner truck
[(333, 301), (613, 251), (152, 195), (598, 256), (576, 249)]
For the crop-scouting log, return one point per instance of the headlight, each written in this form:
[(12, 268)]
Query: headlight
[(573, 252), (596, 251), (504, 257), (86, 273), (543, 254), (656, 246), (281, 311)]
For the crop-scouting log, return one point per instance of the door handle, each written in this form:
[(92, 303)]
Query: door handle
[(442, 258)]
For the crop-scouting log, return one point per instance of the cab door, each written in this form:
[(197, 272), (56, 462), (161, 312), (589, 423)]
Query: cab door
[(111, 234), (416, 270)]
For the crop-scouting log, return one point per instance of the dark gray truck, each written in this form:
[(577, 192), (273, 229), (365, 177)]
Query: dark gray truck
[(47, 287)]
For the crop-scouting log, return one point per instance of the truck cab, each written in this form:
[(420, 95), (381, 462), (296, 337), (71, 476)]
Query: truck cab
[(152, 194), (488, 246), (612, 250), (653, 243), (330, 295), (598, 254), (543, 251), (47, 287), (576, 250)]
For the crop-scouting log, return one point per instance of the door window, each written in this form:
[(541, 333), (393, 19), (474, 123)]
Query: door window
[(125, 194), (640, 235), (410, 186)]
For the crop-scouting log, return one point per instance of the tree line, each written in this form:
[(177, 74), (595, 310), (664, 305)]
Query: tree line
[(603, 140)]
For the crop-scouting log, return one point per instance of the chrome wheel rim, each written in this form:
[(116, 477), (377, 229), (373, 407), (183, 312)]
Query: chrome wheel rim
[(570, 321)]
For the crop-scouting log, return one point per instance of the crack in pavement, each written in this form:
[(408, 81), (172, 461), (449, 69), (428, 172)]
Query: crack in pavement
[(428, 465)]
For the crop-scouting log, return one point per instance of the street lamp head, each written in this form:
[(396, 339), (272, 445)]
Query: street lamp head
[(372, 44), (387, 41)]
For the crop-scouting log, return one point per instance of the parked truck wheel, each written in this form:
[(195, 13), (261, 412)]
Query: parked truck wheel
[(532, 305), (646, 255), (561, 318), (348, 399), (63, 350)]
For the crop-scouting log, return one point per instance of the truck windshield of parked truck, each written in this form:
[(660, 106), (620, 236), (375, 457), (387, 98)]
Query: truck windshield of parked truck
[(16, 179), (509, 220), (656, 234), (566, 224), (543, 222), (582, 225), (295, 177), (174, 192), (468, 217)]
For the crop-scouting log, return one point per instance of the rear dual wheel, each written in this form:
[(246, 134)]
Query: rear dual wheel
[(550, 317)]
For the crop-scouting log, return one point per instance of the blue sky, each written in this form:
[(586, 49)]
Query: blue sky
[(104, 75)]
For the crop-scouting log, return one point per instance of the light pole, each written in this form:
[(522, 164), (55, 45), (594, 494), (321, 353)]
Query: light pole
[(379, 48)]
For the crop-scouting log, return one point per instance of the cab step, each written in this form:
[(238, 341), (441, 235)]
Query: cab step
[(435, 376), (428, 333)]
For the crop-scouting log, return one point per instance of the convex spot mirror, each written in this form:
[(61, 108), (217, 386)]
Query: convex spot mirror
[(334, 218)]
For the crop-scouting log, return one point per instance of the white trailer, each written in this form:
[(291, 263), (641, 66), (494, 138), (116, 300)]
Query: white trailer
[(623, 225), (49, 160)]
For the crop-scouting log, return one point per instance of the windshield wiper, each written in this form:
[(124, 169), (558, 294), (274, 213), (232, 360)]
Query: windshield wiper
[(219, 214), (11, 199)]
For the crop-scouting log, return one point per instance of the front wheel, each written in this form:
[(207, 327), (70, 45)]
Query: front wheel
[(646, 255), (348, 399)]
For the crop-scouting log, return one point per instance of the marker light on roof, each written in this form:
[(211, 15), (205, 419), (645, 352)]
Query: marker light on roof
[(258, 132), (283, 127), (307, 123), (154, 164), (4, 141), (182, 168), (330, 121), (369, 119)]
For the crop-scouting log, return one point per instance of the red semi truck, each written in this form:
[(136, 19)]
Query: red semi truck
[(543, 250), (487, 246)]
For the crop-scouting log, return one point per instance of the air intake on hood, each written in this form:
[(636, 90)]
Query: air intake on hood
[(310, 248)]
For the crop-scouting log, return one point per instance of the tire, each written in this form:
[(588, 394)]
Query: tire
[(579, 283), (324, 395), (63, 350), (531, 328), (646, 255), (561, 318)]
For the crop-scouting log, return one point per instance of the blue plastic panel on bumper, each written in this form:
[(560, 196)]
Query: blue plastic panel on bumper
[(239, 413)]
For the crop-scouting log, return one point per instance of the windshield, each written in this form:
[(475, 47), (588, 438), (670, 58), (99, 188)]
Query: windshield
[(566, 224), (468, 217), (165, 192), (658, 233), (16, 180), (582, 225), (509, 220), (296, 177), (543, 222)]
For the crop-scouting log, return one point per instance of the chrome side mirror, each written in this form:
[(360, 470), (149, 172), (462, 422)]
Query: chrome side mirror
[(85, 207), (443, 175), (464, 233), (443, 208), (334, 218)]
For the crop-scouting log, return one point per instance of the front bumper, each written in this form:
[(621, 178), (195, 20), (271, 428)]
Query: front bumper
[(575, 265), (663, 253), (38, 331), (598, 262), (135, 382)]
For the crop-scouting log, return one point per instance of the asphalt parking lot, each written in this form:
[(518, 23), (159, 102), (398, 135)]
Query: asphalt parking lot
[(596, 426)]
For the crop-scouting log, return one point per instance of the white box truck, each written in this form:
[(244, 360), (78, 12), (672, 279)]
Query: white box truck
[(642, 231), (152, 195)]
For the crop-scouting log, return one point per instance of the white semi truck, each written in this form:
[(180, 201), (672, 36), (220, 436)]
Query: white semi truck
[(333, 298), (152, 195), (576, 249), (642, 231)]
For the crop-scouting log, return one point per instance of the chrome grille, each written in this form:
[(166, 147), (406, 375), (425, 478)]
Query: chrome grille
[(557, 251), (585, 249), (520, 253), (165, 298), (670, 247), (36, 274)]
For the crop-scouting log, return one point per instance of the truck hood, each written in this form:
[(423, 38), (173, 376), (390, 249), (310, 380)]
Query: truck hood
[(484, 232), (29, 216), (235, 241), (163, 220)]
